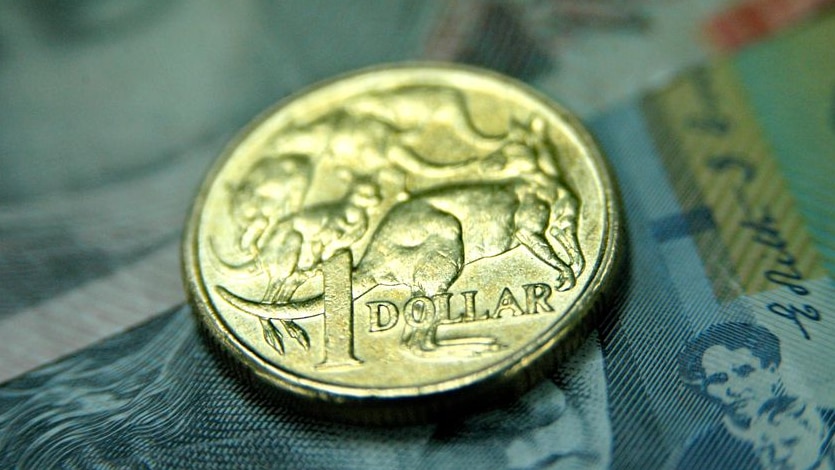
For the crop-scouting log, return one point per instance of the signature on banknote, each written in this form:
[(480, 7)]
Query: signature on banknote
[(741, 175), (765, 231)]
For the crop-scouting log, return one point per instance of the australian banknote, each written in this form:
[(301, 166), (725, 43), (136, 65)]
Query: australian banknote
[(714, 351), (722, 174)]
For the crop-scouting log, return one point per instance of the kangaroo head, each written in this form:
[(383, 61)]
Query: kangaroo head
[(365, 194), (363, 190)]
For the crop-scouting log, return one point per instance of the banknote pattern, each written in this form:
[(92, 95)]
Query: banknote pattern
[(158, 397)]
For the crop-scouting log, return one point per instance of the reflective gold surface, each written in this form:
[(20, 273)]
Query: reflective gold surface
[(403, 237)]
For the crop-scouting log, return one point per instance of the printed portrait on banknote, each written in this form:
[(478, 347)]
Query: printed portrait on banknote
[(736, 366)]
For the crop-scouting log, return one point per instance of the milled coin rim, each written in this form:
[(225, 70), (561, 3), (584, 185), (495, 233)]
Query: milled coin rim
[(529, 363)]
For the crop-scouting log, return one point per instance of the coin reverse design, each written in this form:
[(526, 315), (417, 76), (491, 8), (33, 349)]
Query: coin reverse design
[(403, 240)]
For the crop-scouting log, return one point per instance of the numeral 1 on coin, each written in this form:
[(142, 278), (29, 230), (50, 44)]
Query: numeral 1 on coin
[(339, 312)]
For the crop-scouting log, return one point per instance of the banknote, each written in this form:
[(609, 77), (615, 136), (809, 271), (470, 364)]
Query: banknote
[(713, 353), (726, 168)]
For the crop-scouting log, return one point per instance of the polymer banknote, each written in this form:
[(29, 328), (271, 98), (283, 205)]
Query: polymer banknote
[(714, 351)]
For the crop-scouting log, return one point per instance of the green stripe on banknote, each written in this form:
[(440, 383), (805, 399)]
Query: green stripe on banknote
[(790, 84)]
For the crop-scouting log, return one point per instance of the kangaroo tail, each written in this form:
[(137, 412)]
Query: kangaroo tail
[(286, 311)]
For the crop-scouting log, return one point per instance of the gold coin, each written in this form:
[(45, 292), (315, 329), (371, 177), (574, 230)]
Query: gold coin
[(403, 242)]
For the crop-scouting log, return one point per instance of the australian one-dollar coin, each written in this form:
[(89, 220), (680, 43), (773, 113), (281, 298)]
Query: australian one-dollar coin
[(403, 242)]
